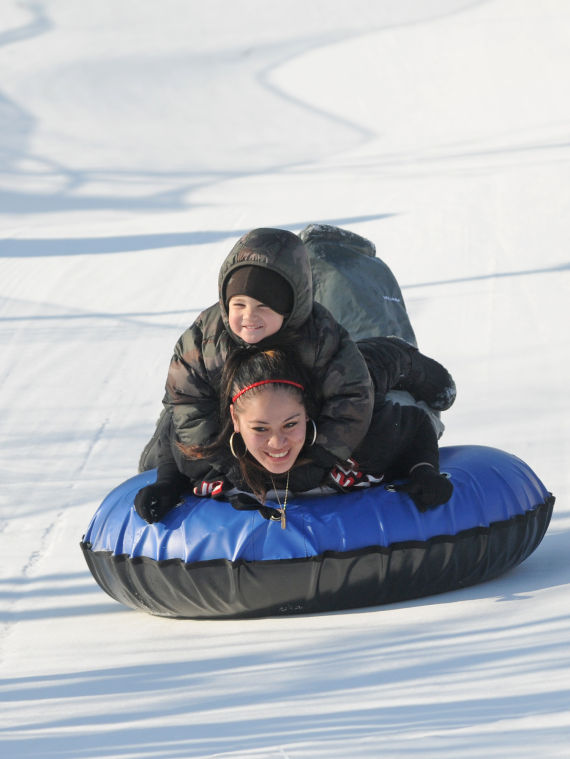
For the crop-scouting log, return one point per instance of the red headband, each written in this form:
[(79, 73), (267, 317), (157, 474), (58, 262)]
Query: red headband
[(267, 382)]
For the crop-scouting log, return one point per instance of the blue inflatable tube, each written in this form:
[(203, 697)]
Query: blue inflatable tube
[(207, 560)]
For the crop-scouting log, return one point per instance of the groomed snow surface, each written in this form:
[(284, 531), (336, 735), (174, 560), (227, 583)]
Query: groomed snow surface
[(138, 140)]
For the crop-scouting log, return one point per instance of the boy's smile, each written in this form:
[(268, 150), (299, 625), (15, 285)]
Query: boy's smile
[(251, 319)]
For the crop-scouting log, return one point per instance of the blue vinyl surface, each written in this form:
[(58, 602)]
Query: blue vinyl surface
[(490, 485)]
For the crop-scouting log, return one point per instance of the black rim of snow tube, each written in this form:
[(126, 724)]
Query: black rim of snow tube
[(331, 581)]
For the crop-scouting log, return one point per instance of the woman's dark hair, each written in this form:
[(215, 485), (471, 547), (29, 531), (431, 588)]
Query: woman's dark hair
[(243, 368)]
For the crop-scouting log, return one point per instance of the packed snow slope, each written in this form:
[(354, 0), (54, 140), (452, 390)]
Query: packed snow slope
[(138, 140)]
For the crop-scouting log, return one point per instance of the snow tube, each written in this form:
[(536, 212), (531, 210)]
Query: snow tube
[(207, 560)]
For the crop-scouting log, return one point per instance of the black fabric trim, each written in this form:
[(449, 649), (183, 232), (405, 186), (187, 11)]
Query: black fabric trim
[(329, 582)]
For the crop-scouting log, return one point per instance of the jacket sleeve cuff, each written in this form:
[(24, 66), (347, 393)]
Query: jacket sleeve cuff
[(322, 457), (169, 473)]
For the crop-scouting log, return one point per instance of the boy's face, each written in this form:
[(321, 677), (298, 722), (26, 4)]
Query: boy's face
[(251, 319)]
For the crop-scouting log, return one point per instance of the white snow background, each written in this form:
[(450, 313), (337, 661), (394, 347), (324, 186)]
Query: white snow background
[(138, 140)]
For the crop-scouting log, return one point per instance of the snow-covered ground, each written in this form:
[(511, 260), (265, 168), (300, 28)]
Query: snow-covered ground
[(138, 140)]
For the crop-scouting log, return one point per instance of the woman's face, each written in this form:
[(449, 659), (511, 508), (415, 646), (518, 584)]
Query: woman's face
[(273, 424)]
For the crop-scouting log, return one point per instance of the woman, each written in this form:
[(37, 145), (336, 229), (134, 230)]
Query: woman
[(267, 428)]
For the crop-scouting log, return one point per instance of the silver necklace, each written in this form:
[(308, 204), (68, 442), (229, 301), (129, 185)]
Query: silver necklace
[(282, 507)]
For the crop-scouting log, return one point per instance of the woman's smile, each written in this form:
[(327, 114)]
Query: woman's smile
[(279, 458)]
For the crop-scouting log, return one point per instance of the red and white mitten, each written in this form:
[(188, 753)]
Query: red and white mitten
[(213, 489), (346, 475)]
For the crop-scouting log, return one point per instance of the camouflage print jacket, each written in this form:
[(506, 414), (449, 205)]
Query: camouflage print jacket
[(332, 359)]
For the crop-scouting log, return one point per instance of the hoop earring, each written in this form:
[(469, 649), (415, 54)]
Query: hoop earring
[(232, 449), (311, 444)]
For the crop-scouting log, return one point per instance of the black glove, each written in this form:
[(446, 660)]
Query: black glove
[(154, 501), (426, 487), (244, 502)]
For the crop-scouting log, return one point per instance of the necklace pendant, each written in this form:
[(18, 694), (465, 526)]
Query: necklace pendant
[(282, 508)]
